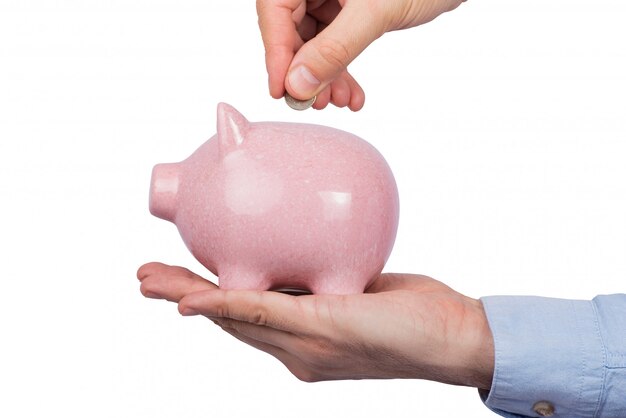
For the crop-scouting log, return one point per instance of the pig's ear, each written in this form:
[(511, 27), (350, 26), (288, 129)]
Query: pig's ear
[(231, 128)]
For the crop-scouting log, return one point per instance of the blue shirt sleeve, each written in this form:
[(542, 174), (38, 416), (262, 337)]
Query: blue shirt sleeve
[(558, 357)]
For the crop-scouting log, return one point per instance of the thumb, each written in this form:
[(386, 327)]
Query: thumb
[(319, 61)]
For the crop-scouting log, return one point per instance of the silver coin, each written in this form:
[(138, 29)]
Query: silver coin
[(299, 104)]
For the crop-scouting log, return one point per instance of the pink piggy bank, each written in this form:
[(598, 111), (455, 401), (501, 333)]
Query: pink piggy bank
[(282, 206)]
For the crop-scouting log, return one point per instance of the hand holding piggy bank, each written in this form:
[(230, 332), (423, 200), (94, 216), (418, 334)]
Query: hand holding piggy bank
[(282, 206)]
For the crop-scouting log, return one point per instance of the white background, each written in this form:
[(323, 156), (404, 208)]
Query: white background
[(504, 123)]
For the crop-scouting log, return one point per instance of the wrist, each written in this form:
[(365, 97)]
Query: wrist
[(468, 357), (465, 354), (478, 348)]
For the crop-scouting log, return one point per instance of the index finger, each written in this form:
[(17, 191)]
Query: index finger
[(277, 21), (264, 308)]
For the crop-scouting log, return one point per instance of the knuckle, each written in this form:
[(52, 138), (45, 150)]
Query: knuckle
[(266, 8), (221, 312), (146, 271), (261, 5), (259, 317), (146, 287), (334, 52), (306, 375), (185, 272)]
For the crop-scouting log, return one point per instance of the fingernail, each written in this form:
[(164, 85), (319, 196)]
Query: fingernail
[(303, 82), (188, 312)]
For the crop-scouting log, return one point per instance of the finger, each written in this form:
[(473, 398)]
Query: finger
[(340, 91), (307, 29), (173, 284), (152, 268), (272, 309), (357, 95), (282, 339), (324, 57), (278, 30), (388, 282), (324, 11), (268, 348), (293, 364), (323, 98)]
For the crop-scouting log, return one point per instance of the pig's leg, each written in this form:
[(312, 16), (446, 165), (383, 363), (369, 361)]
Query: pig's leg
[(241, 278), (338, 284)]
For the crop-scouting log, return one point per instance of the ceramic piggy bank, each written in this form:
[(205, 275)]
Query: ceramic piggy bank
[(282, 206)]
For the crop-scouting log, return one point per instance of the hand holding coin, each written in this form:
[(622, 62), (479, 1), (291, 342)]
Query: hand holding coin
[(309, 44)]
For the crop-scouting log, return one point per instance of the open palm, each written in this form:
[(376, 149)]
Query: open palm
[(404, 326)]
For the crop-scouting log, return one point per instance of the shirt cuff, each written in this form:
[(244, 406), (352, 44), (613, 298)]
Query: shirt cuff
[(549, 357)]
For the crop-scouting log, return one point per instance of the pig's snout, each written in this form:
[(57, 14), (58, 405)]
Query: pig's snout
[(164, 190)]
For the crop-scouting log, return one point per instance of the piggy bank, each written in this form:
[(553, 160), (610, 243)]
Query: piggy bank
[(282, 206)]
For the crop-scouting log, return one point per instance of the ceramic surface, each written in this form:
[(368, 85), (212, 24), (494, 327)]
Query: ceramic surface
[(272, 205)]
